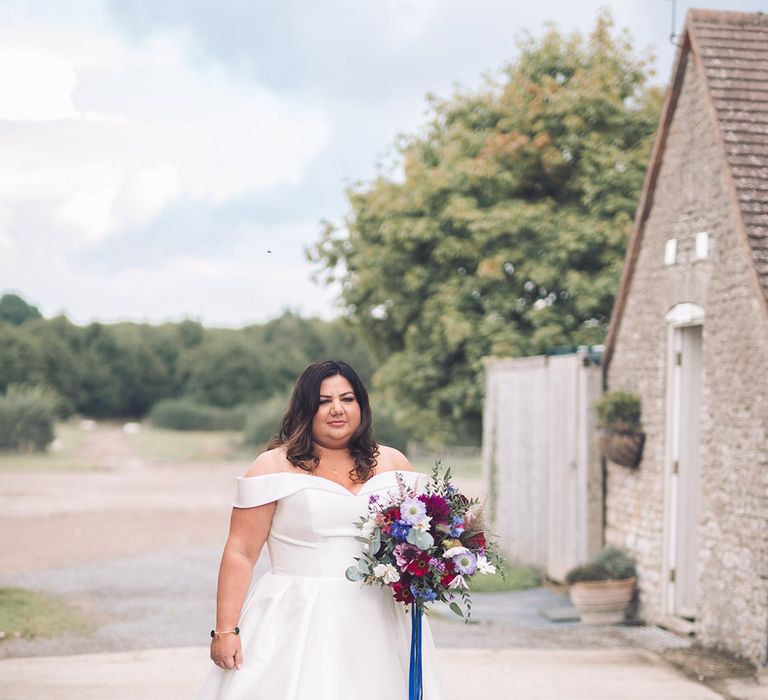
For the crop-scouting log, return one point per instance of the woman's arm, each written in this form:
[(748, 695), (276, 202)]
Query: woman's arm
[(248, 531)]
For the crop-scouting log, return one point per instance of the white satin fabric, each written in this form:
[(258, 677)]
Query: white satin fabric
[(307, 632)]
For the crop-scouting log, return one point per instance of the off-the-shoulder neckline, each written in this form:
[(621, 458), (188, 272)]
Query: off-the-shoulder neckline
[(330, 481)]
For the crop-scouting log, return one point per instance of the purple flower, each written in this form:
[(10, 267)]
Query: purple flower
[(404, 554), (373, 498), (400, 530), (412, 511), (465, 563), (438, 564)]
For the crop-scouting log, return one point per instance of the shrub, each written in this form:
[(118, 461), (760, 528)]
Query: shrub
[(183, 414), (263, 420), (27, 418), (618, 410), (610, 564)]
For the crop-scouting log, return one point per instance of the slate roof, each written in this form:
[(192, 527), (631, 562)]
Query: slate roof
[(730, 52), (733, 49)]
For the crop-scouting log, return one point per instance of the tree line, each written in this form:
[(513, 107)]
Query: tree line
[(123, 369)]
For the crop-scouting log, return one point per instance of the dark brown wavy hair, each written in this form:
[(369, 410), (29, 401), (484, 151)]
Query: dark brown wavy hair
[(295, 433)]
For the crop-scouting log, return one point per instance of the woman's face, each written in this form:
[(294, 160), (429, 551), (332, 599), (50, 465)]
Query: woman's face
[(338, 415)]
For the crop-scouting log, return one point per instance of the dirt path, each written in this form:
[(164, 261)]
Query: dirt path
[(128, 507)]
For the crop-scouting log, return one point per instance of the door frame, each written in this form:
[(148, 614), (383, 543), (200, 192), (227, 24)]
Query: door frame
[(680, 316)]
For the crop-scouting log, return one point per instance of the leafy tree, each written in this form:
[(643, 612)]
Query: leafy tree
[(506, 232), (14, 310)]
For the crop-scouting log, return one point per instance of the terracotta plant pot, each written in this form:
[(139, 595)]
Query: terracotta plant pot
[(602, 602), (622, 447)]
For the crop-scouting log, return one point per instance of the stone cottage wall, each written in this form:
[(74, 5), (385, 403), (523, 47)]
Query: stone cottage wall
[(692, 195)]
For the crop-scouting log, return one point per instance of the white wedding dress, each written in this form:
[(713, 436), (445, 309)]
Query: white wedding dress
[(307, 632)]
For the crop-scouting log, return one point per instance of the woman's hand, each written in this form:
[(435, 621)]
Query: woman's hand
[(226, 651)]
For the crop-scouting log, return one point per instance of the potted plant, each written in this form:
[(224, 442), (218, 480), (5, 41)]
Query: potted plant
[(620, 437), (602, 588)]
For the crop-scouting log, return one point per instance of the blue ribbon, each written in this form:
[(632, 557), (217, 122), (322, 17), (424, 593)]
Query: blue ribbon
[(414, 673)]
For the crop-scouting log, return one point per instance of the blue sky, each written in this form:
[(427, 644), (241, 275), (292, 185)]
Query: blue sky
[(173, 159)]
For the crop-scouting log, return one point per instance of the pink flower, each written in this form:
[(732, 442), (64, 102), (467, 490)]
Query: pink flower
[(404, 554)]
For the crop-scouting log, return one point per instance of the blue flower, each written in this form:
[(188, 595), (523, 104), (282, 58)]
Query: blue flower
[(426, 594), (400, 530), (458, 526)]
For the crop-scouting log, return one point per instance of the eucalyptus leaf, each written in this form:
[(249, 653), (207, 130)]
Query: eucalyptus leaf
[(375, 542), (363, 566), (424, 540), (413, 533), (353, 574), (455, 608)]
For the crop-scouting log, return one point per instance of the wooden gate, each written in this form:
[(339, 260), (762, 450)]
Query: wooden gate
[(543, 473)]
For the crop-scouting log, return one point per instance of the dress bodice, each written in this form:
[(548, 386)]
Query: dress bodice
[(314, 525)]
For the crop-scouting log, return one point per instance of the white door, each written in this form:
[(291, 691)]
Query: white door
[(685, 373)]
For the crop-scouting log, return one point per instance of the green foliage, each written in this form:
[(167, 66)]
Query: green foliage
[(610, 564), (27, 419), (14, 310), (263, 420), (184, 414), (618, 410), (507, 230), (122, 370), (385, 427)]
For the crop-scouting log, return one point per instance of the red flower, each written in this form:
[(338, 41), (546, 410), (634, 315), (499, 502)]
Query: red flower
[(476, 541), (449, 575), (437, 508), (402, 591), (419, 566), (392, 514)]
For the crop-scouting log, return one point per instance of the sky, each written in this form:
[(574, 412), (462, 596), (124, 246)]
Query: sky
[(175, 159)]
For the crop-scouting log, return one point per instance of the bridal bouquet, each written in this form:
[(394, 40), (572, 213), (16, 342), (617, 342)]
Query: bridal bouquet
[(426, 544)]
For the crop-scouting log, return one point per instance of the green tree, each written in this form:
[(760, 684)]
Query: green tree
[(14, 310), (507, 230)]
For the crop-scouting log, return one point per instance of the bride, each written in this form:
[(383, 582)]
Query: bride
[(303, 631)]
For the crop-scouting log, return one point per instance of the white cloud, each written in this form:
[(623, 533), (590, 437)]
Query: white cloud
[(36, 85), (104, 140), (246, 284)]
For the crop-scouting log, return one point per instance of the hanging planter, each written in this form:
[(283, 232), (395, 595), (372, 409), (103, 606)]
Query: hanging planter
[(621, 446), (620, 437)]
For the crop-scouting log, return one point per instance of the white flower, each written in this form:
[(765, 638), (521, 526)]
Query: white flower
[(484, 566), (472, 514), (454, 551), (386, 572), (368, 527), (458, 581), (423, 524)]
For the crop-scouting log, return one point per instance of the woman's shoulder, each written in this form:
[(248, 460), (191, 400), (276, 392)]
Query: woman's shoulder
[(274, 461), (390, 459)]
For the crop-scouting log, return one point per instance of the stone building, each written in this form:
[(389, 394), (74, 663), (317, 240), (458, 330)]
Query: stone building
[(689, 334)]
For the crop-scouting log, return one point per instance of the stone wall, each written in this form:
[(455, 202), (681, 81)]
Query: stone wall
[(692, 195)]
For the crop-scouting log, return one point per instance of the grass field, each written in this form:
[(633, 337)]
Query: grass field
[(517, 578), (191, 445), (25, 613), (65, 454)]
